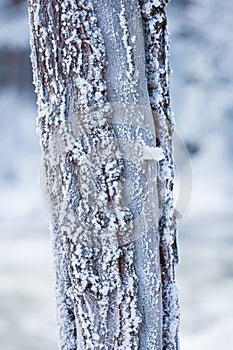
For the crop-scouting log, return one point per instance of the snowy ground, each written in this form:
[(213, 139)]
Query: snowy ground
[(202, 90), (27, 307)]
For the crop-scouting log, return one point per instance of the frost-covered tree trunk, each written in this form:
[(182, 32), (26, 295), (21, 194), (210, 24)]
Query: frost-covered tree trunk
[(101, 76)]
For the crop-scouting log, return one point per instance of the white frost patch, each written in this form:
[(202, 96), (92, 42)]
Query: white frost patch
[(125, 40), (150, 153)]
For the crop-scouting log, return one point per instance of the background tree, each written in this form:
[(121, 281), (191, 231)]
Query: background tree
[(101, 75)]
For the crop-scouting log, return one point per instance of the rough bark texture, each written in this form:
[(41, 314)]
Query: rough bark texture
[(101, 75), (156, 38)]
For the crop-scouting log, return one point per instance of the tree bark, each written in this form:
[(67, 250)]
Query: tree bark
[(101, 75)]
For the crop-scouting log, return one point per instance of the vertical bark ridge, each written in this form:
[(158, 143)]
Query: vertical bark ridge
[(122, 28), (157, 45)]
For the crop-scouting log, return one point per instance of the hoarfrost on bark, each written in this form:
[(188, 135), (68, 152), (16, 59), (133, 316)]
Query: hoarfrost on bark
[(103, 121), (157, 46)]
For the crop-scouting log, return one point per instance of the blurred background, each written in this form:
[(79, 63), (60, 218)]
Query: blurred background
[(202, 99)]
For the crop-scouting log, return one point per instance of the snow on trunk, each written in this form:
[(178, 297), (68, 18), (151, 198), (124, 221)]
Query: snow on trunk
[(157, 45), (101, 75)]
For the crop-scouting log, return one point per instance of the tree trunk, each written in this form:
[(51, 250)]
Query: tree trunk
[(101, 74)]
